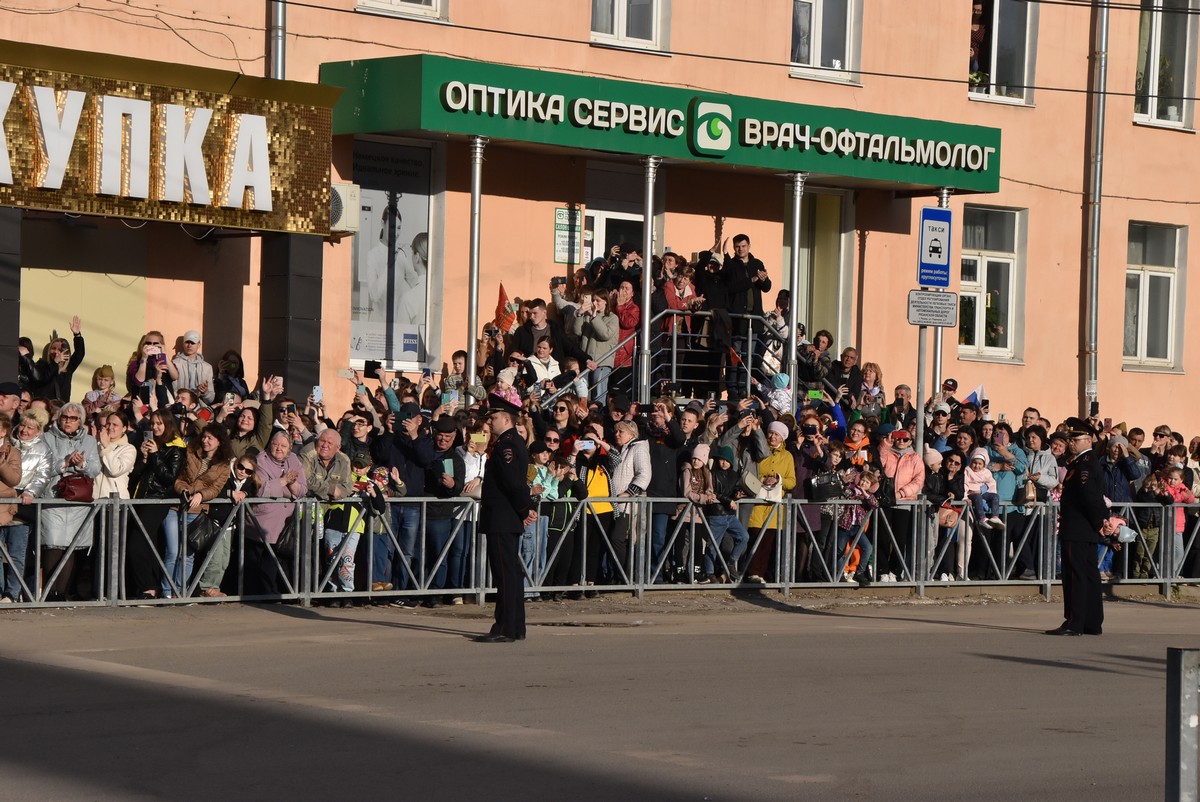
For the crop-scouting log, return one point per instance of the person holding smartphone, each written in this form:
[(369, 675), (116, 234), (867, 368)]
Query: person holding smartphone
[(150, 370)]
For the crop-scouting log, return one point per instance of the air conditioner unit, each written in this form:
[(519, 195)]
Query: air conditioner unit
[(344, 206)]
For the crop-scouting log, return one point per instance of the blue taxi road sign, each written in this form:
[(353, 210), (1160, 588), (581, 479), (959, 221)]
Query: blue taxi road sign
[(933, 256)]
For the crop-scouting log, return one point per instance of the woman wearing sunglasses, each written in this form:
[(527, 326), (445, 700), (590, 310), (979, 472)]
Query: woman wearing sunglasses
[(65, 529)]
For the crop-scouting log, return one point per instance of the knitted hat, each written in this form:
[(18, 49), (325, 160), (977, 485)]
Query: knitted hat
[(779, 429), (981, 454), (780, 380), (700, 452), (508, 376), (933, 457), (725, 453)]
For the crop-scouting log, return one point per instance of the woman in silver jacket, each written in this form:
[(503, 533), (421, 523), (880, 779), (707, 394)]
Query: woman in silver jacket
[(66, 529), (35, 473)]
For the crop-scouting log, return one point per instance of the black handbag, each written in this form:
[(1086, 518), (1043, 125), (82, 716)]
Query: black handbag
[(826, 486), (285, 546), (202, 532)]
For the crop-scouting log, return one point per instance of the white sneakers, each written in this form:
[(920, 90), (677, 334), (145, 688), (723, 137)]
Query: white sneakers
[(994, 522), (945, 578)]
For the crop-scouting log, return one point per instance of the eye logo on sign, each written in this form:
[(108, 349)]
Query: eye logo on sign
[(710, 132)]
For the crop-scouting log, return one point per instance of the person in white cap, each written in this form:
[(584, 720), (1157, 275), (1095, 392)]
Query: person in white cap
[(194, 373)]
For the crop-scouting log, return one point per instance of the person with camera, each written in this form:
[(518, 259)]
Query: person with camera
[(624, 264), (410, 450), (149, 371), (159, 460), (809, 448), (445, 478), (597, 330), (250, 422)]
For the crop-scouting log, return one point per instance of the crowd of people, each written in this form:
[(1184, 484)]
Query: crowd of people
[(202, 440)]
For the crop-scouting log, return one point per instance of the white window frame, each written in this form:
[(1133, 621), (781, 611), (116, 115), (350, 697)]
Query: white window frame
[(661, 16), (438, 10), (1184, 116), (849, 73), (978, 289), (1175, 275), (993, 91)]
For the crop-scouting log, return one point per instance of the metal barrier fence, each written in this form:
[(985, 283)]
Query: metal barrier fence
[(430, 550)]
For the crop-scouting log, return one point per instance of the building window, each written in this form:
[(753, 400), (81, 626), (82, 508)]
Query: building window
[(825, 37), (1003, 37), (432, 9), (1151, 290), (635, 23), (1165, 61), (988, 278)]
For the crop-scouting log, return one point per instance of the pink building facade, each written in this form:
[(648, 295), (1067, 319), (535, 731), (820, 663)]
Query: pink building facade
[(871, 101)]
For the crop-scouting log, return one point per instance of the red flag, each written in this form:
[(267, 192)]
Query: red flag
[(506, 313), (734, 359)]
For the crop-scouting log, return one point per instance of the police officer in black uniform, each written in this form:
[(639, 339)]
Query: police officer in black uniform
[(1082, 512), (504, 510)]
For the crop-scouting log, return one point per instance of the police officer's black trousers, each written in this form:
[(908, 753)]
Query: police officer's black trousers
[(510, 590), (1083, 602)]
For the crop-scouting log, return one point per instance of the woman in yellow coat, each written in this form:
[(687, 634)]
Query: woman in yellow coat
[(777, 472)]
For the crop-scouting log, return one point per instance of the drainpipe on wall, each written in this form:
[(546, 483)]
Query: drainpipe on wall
[(1095, 195), (278, 42)]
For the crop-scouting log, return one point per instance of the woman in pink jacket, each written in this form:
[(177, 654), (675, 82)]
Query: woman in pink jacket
[(904, 466)]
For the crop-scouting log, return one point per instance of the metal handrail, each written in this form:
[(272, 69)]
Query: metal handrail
[(774, 331), (635, 565)]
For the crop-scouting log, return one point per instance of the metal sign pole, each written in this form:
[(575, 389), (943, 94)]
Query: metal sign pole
[(1183, 708), (643, 353), (478, 143), (943, 203)]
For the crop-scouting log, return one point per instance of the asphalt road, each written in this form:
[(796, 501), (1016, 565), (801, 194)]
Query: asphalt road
[(746, 699)]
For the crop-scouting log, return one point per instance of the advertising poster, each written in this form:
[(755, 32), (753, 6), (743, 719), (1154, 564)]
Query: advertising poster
[(389, 299)]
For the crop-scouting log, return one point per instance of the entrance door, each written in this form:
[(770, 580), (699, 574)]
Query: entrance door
[(602, 230)]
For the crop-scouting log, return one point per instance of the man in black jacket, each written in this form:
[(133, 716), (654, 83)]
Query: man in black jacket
[(505, 509), (410, 451), (526, 337), (747, 281), (665, 439), (1082, 512), (444, 478)]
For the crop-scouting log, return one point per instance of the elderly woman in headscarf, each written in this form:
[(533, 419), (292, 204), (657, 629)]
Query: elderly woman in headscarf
[(73, 452), (279, 475)]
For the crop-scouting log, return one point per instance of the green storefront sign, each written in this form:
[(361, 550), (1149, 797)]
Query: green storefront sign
[(454, 96)]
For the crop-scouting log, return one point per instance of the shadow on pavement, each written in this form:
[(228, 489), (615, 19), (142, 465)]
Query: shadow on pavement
[(121, 739), (1074, 666), (758, 599), (316, 614)]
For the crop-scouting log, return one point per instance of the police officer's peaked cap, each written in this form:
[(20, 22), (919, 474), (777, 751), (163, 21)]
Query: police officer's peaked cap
[(498, 403)]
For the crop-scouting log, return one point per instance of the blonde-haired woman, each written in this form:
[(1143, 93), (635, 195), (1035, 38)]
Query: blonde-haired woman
[(149, 367)]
